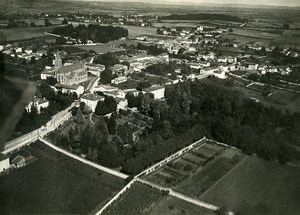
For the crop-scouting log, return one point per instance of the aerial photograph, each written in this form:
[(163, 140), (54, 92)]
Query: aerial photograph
[(149, 107)]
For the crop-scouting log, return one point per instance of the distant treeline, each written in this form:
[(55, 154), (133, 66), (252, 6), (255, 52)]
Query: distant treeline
[(201, 16), (96, 33)]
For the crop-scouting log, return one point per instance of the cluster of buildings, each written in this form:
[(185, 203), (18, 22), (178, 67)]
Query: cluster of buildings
[(21, 53)]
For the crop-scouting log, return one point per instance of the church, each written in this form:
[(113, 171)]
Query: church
[(70, 74)]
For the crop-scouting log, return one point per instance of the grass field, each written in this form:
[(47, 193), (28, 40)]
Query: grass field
[(15, 95), (15, 34), (170, 205), (99, 48), (55, 184), (258, 187)]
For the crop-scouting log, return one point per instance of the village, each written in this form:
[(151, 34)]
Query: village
[(135, 104)]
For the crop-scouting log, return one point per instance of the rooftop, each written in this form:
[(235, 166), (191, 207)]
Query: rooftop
[(70, 68), (17, 159), (92, 97)]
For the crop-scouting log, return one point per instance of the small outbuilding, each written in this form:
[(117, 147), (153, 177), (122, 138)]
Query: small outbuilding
[(18, 161)]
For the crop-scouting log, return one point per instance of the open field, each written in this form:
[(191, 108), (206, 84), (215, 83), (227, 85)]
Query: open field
[(15, 95), (170, 205), (55, 184), (99, 48), (258, 187), (16, 34)]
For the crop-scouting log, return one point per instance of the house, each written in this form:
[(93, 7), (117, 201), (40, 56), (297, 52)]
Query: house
[(209, 71), (119, 69), (47, 73), (231, 67), (219, 74), (4, 162), (232, 59), (251, 66), (18, 161), (38, 104), (224, 68), (222, 59), (157, 91), (110, 91), (94, 69), (76, 88), (122, 103), (119, 80), (135, 92), (91, 100)]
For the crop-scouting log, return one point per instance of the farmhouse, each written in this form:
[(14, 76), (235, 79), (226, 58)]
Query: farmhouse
[(38, 104), (157, 91), (91, 100), (4, 162), (18, 161)]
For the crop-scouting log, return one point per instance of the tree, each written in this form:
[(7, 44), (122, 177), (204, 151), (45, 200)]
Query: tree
[(64, 22), (61, 40), (101, 108), (143, 85), (47, 22), (111, 104), (106, 76), (286, 26), (181, 51), (32, 24), (112, 125)]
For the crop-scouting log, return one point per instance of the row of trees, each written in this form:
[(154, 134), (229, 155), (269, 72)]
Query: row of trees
[(205, 16), (96, 33)]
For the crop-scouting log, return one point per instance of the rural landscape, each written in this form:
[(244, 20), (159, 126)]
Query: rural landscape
[(150, 108)]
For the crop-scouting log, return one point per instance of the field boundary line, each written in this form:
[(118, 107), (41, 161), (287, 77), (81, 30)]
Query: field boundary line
[(221, 179), (87, 162)]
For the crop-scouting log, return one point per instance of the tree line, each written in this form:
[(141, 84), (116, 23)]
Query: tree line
[(96, 33)]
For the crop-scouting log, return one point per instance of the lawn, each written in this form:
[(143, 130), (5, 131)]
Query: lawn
[(258, 187), (55, 184), (170, 205)]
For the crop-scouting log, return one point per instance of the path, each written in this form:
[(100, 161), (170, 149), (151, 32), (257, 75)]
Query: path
[(91, 115), (85, 161)]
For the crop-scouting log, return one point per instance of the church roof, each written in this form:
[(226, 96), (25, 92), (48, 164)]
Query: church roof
[(71, 68)]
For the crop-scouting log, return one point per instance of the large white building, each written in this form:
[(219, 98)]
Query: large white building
[(4, 162), (91, 100), (157, 91), (95, 69)]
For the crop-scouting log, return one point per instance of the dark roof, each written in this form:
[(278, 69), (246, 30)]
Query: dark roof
[(3, 157), (18, 159)]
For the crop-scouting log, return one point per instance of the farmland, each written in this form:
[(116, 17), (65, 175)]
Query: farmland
[(17, 34), (138, 200), (199, 168), (258, 187), (55, 184), (170, 205)]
